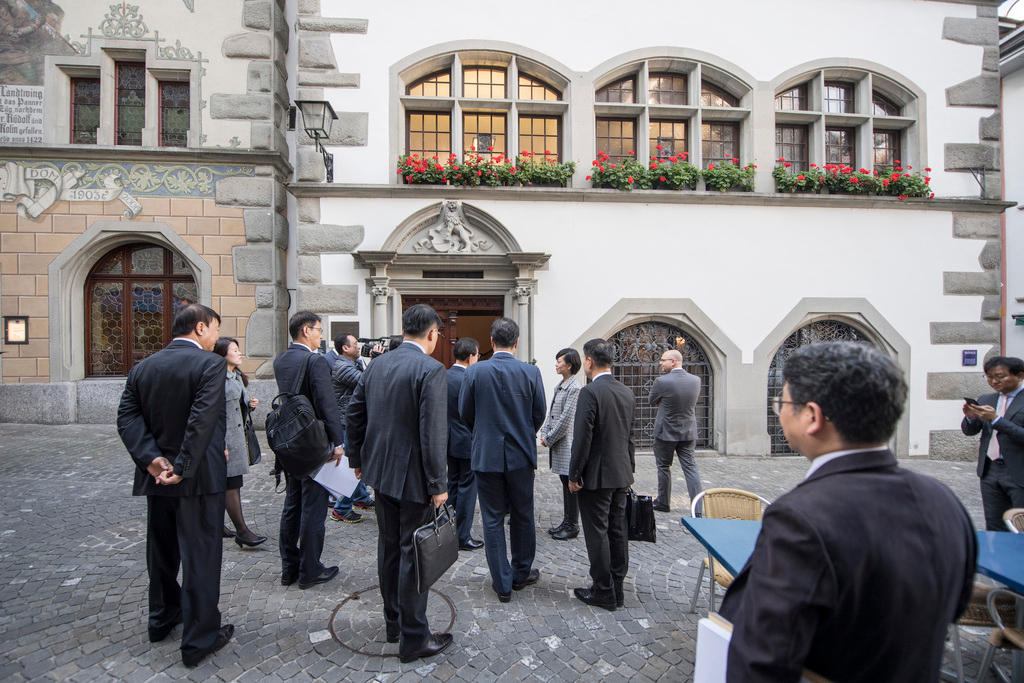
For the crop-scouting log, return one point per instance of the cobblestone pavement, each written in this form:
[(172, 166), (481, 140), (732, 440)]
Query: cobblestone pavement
[(73, 583)]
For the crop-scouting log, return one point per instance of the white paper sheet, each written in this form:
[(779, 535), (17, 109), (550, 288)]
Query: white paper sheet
[(340, 481)]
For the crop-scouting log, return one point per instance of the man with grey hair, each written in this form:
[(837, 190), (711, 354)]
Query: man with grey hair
[(675, 394)]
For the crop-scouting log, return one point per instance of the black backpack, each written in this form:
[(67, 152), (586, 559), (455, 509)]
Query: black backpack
[(294, 432)]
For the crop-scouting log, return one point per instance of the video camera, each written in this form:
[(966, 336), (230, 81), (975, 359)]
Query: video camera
[(373, 347)]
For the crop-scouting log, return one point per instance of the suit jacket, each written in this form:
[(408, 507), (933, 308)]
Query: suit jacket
[(316, 386), (856, 575), (603, 453), (398, 425), (344, 377), (502, 401), (675, 394), (1009, 429), (173, 405), (460, 437)]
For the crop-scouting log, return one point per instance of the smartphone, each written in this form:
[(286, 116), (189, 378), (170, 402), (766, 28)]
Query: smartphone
[(970, 401)]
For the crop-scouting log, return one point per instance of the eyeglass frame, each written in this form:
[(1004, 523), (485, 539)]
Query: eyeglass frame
[(777, 403)]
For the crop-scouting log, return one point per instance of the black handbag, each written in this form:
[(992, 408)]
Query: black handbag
[(295, 433), (252, 443), (640, 518), (437, 547)]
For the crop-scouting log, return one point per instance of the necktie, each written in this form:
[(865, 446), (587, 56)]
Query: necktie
[(993, 444)]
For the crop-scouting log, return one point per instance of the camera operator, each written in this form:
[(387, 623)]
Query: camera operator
[(344, 378), (371, 348)]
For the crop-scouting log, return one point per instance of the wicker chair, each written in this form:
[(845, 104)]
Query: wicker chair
[(1014, 518), (1002, 637), (723, 504), (977, 614)]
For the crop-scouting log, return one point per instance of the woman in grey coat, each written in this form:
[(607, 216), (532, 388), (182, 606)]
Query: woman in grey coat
[(556, 434), (236, 398)]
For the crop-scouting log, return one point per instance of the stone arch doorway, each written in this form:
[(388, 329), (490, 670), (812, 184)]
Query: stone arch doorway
[(637, 350), (825, 330)]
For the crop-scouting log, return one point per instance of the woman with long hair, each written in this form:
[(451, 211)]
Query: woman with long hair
[(556, 434), (237, 399)]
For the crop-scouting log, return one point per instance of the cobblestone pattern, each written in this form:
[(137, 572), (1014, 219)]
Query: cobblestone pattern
[(73, 583)]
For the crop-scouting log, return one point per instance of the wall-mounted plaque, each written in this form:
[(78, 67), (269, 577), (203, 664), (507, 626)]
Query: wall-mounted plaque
[(21, 114)]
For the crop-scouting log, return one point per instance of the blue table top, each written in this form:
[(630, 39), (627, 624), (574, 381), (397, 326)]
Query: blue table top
[(731, 541)]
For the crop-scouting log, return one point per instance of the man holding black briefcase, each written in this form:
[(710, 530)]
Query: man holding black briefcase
[(397, 429)]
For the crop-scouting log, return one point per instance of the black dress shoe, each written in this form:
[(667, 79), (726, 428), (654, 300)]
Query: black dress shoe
[(504, 597), (555, 529), (192, 659), (250, 542), (590, 597), (662, 508), (435, 643), (288, 578), (228, 533), (567, 532), (532, 577), (471, 544), (158, 634), (325, 575)]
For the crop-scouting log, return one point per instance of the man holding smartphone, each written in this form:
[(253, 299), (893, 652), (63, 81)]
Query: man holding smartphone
[(999, 417)]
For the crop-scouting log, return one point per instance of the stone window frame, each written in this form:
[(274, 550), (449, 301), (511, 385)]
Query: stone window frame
[(67, 274), (868, 81), (694, 113), (101, 63), (511, 106)]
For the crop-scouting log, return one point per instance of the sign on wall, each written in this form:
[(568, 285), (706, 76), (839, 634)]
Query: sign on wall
[(21, 114)]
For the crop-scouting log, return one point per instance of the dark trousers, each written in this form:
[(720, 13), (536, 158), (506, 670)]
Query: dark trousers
[(185, 531), (301, 537), (570, 503), (462, 495), (663, 454), (999, 493), (508, 493), (603, 512), (405, 608)]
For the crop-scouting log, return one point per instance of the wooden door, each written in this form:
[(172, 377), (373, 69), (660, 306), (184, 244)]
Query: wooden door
[(471, 311)]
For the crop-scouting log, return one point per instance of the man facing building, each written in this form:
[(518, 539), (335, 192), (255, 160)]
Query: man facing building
[(859, 570), (600, 471), (461, 481), (502, 401), (675, 394), (301, 537), (1000, 419), (397, 437), (347, 370), (171, 420)]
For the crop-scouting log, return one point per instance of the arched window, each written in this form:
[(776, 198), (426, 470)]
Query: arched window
[(131, 295), (637, 351), (818, 331)]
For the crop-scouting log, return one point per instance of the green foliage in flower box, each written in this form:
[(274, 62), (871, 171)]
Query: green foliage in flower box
[(729, 176)]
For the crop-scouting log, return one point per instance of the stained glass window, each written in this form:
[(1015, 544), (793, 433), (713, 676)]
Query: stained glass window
[(174, 114), (130, 103), (85, 110), (132, 294)]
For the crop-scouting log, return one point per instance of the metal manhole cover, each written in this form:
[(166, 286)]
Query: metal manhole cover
[(357, 623)]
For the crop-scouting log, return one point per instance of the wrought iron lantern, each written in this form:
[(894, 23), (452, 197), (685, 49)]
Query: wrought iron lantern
[(317, 118)]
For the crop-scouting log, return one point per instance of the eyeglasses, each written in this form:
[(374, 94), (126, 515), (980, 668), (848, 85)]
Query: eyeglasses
[(318, 330), (777, 404)]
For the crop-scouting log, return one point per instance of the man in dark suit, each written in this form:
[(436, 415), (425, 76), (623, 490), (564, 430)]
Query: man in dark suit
[(859, 570), (461, 482), (600, 471), (301, 537), (397, 438), (347, 369), (171, 420), (675, 426), (1000, 460), (502, 401)]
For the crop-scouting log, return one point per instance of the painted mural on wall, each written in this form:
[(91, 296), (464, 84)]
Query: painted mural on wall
[(36, 185), (29, 30)]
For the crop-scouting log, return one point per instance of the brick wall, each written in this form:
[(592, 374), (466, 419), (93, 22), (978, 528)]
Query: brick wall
[(28, 246)]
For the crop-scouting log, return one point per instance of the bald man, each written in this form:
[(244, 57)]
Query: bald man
[(675, 428)]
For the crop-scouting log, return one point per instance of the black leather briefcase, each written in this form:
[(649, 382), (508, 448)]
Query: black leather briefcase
[(437, 547), (640, 517)]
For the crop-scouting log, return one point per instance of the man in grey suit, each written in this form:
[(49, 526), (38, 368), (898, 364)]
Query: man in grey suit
[(675, 427), (502, 401), (397, 435)]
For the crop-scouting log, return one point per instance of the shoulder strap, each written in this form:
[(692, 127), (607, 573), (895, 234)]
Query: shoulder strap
[(301, 378)]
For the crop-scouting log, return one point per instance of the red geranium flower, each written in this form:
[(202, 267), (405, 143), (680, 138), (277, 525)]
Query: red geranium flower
[(661, 178), (854, 180), (659, 147), (800, 177), (629, 179), (781, 159), (787, 164), (711, 167), (588, 177)]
